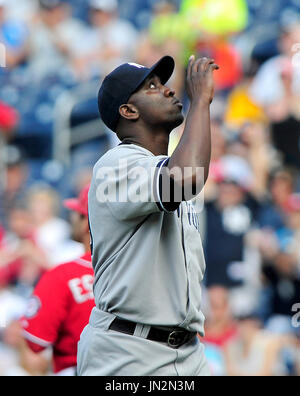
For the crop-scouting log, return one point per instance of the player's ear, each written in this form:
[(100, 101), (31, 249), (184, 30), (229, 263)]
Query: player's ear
[(129, 112)]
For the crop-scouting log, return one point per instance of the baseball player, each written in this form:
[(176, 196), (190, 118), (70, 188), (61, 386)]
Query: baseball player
[(63, 299), (147, 253)]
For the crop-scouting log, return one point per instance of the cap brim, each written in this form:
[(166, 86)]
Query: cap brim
[(164, 69), (73, 205)]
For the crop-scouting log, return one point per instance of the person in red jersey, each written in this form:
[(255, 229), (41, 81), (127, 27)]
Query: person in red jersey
[(1, 235), (60, 305)]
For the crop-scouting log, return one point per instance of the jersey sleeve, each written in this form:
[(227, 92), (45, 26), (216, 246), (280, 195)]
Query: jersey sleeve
[(134, 186), (45, 312)]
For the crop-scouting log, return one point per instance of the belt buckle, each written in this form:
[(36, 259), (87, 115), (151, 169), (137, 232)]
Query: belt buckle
[(175, 338)]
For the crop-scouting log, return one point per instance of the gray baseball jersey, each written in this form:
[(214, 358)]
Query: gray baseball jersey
[(148, 261)]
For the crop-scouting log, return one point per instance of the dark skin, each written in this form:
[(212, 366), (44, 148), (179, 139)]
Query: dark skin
[(153, 115), (154, 111)]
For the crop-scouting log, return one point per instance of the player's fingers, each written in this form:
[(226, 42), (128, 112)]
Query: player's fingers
[(205, 65), (196, 65), (190, 66), (213, 66)]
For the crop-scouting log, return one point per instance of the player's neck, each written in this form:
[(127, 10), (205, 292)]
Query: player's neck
[(158, 144)]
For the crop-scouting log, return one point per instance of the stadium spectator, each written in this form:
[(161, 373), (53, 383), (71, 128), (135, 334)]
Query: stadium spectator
[(254, 352), (52, 233), (282, 278), (53, 39), (273, 211), (218, 150), (14, 36), (16, 359), (21, 259), (15, 181), (250, 141), (292, 230), (110, 42), (220, 325), (268, 86), (285, 119), (240, 107), (9, 118), (279, 249), (228, 218), (12, 308), (58, 319), (284, 223), (276, 87), (254, 136), (21, 10)]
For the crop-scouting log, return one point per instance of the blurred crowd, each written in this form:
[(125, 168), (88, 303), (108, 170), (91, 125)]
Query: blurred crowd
[(57, 52)]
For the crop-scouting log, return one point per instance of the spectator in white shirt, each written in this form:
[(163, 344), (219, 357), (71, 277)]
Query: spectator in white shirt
[(110, 42), (53, 38)]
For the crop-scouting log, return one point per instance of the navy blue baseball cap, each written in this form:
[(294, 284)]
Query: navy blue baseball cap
[(121, 83)]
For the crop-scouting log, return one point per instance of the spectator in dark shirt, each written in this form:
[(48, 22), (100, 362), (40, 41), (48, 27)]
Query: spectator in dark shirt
[(284, 285), (272, 213), (16, 176), (228, 219)]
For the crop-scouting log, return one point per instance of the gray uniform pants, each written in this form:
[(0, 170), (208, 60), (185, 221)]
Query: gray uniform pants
[(104, 352)]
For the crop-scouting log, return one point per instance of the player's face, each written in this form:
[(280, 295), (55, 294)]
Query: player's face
[(157, 104)]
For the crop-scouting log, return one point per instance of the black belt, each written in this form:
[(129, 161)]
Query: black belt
[(174, 338)]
